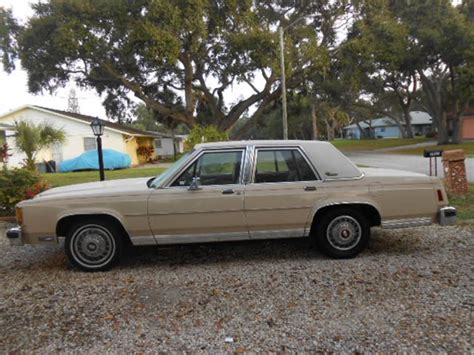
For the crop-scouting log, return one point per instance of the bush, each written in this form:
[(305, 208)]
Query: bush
[(17, 185), (4, 154), (146, 152), (200, 134)]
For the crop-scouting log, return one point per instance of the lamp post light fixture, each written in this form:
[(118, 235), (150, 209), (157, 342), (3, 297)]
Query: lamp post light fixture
[(98, 130)]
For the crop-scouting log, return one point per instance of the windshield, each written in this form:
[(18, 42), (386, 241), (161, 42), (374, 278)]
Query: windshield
[(170, 171)]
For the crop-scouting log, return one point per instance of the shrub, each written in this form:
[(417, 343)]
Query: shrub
[(200, 134), (4, 154), (17, 185), (30, 139), (146, 152)]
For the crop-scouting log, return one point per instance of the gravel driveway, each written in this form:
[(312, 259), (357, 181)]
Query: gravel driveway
[(412, 290)]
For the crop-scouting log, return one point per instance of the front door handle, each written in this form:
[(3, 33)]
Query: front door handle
[(310, 188), (228, 192)]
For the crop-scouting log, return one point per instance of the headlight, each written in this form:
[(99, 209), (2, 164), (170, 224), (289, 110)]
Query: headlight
[(19, 215)]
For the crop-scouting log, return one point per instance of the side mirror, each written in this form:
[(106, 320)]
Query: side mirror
[(194, 184)]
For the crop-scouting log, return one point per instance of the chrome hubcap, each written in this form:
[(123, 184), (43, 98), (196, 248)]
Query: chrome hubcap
[(344, 233), (93, 245)]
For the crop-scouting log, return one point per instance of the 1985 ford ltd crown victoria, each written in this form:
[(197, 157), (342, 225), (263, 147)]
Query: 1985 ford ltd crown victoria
[(234, 191)]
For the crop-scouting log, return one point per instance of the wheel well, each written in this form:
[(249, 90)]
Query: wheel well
[(369, 212), (65, 223)]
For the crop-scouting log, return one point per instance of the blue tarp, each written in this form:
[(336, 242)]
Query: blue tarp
[(90, 161)]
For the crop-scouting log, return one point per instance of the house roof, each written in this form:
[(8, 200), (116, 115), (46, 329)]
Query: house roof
[(417, 118), (87, 119)]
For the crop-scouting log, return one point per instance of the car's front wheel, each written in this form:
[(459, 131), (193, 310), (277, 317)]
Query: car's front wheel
[(94, 245), (342, 233)]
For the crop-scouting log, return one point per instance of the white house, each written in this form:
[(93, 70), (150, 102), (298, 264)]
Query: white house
[(386, 127), (79, 136)]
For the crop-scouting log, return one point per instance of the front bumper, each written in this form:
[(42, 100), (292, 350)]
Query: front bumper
[(447, 216), (15, 236)]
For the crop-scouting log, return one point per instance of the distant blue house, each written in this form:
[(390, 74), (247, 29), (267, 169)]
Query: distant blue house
[(386, 127)]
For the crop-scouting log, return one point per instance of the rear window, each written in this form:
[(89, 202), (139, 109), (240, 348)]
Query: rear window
[(282, 165)]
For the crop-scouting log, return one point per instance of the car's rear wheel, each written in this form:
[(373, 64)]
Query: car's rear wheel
[(94, 245), (342, 233)]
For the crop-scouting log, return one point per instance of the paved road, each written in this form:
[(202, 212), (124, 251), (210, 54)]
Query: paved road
[(404, 162)]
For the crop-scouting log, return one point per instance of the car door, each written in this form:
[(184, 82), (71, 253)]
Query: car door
[(281, 194), (211, 210)]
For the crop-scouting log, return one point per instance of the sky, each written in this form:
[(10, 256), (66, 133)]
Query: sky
[(14, 91)]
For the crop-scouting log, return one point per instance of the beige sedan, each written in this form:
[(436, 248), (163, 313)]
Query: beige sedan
[(234, 191)]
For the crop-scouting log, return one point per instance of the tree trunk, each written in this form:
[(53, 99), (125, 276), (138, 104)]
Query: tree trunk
[(408, 125), (314, 120), (432, 88), (401, 127), (361, 130), (456, 138), (174, 143)]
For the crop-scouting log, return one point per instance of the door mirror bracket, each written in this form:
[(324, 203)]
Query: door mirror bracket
[(195, 186)]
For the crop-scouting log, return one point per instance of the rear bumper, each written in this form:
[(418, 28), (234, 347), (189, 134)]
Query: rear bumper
[(15, 236), (447, 216)]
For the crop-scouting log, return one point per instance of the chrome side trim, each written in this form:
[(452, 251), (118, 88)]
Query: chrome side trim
[(447, 216), (361, 176), (278, 234), (164, 239), (143, 240), (200, 238), (248, 168), (279, 208), (235, 210), (407, 223), (346, 203)]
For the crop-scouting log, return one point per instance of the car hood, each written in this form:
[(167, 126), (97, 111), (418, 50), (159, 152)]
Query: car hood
[(109, 188)]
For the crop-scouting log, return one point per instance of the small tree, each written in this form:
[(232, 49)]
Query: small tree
[(30, 139), (200, 134)]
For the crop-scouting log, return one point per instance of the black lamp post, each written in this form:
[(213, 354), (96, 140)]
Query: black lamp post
[(98, 129)]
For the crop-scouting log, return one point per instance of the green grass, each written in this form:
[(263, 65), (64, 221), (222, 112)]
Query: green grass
[(464, 205), (348, 145), (63, 179), (467, 146)]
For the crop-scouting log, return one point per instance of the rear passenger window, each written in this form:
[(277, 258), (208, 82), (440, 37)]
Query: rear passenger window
[(282, 165)]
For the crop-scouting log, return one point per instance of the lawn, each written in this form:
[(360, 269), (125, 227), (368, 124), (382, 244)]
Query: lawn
[(467, 146), (350, 145), (63, 179), (464, 205)]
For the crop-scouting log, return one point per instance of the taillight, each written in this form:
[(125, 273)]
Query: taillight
[(440, 196)]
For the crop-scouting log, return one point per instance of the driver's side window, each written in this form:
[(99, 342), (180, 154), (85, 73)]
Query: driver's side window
[(213, 168)]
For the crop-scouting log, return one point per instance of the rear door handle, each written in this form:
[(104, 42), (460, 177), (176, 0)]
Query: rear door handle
[(310, 188), (228, 192)]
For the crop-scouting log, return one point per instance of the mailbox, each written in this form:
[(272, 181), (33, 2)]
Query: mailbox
[(433, 153)]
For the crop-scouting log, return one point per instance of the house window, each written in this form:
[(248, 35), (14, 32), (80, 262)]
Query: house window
[(158, 143), (382, 129), (90, 143)]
